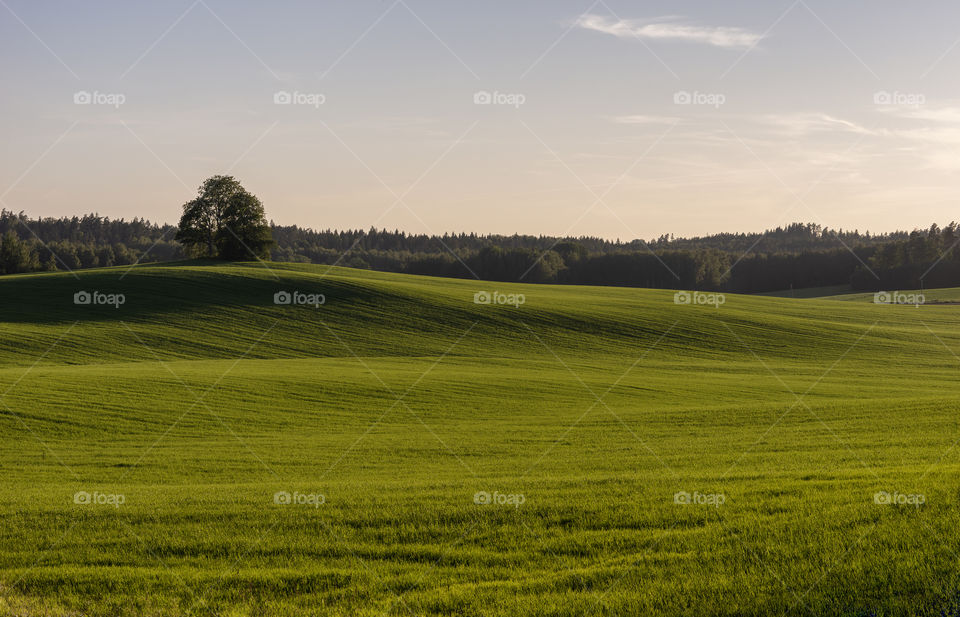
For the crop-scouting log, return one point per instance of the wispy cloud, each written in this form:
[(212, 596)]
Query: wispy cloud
[(942, 115), (799, 124), (640, 119), (930, 132), (670, 29)]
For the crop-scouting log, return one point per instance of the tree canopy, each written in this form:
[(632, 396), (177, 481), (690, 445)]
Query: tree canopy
[(225, 221)]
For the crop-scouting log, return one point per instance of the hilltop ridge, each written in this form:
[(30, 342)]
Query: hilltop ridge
[(207, 311)]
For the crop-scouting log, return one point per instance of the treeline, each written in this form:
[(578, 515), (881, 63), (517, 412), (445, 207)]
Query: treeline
[(90, 241), (798, 255), (929, 257), (796, 237)]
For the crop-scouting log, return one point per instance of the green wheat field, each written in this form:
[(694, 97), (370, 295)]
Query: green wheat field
[(401, 449)]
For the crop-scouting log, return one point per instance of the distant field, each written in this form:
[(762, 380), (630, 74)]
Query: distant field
[(193, 411), (930, 296), (809, 292), (844, 293)]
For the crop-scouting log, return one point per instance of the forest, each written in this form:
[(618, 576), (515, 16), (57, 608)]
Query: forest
[(796, 256)]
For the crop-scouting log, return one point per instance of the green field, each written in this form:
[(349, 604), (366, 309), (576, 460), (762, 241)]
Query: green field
[(402, 402)]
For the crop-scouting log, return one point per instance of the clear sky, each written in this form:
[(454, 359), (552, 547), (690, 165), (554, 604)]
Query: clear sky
[(610, 118)]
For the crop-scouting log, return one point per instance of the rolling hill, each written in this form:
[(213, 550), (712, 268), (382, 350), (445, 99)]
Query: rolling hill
[(403, 449)]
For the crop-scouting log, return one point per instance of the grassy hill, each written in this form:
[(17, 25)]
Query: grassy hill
[(402, 401)]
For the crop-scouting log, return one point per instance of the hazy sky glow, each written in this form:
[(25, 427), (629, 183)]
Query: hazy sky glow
[(617, 119)]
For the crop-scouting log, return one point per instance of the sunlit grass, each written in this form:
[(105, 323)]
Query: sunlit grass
[(400, 399)]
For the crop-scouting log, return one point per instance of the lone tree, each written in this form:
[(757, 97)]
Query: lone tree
[(225, 221)]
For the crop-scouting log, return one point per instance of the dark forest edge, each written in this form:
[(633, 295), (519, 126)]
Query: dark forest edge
[(796, 256)]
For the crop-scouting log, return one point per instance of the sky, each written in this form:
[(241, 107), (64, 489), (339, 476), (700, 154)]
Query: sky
[(592, 118)]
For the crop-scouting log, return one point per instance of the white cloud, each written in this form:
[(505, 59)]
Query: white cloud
[(671, 30)]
